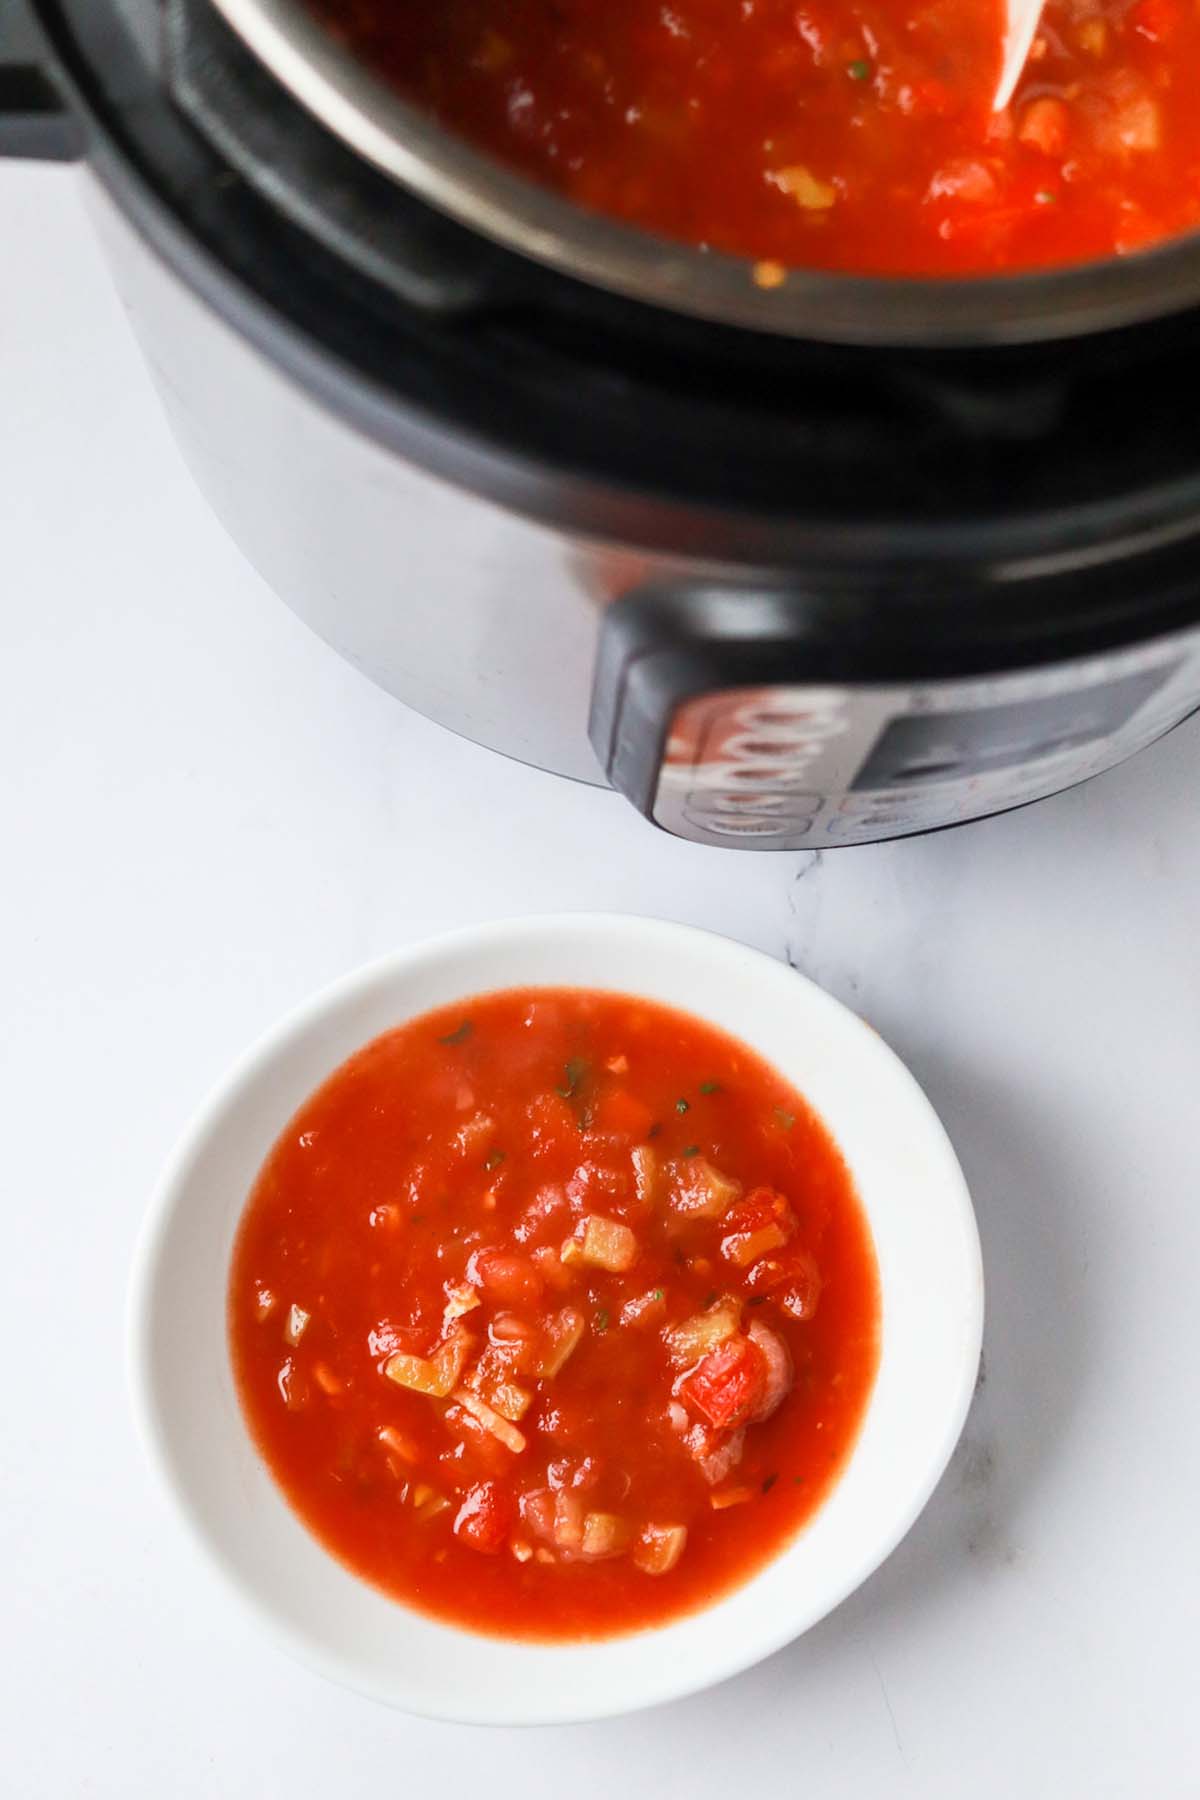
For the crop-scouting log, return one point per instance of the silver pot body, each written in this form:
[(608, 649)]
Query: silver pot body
[(489, 624)]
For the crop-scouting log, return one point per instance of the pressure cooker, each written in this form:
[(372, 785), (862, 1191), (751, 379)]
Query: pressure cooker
[(792, 567)]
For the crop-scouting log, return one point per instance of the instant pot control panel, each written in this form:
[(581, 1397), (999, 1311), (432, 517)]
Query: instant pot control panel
[(715, 735)]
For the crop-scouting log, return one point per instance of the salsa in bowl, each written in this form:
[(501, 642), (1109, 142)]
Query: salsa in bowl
[(557, 1318)]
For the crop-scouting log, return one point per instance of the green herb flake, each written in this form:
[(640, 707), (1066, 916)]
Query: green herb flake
[(658, 1294), (712, 1299), (459, 1035), (1045, 197), (710, 1087), (681, 1106), (769, 1483), (574, 1072), (756, 1300), (859, 70), (786, 1119), (493, 1159), (602, 1320), (654, 1130), (691, 1149)]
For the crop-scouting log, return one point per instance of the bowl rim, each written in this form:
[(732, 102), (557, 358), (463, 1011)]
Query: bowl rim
[(171, 1189)]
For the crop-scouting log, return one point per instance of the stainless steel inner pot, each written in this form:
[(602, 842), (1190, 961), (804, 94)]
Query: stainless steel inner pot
[(406, 144)]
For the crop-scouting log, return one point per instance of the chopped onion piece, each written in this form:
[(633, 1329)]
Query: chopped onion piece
[(695, 1337), (617, 1065), (483, 1414), (264, 1303), (542, 1555), (433, 1507), (736, 1496), (434, 1375), (521, 1550), (659, 1548), (398, 1443), (509, 1399), (646, 1173), (473, 1134), (604, 1534), (603, 1243), (326, 1380), (698, 1190), (562, 1338), (568, 1520), (297, 1324), (742, 1247), (460, 1299)]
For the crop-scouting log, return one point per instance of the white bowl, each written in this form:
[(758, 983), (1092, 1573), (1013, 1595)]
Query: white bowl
[(931, 1281)]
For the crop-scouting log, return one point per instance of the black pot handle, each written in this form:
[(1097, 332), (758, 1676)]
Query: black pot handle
[(35, 119)]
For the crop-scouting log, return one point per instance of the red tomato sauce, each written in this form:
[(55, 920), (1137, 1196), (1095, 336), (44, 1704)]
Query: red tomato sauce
[(836, 134), (555, 1314)]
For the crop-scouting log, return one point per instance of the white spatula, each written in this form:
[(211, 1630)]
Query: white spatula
[(1021, 23)]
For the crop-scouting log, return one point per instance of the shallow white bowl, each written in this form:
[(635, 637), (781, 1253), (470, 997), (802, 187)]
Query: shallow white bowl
[(932, 1295)]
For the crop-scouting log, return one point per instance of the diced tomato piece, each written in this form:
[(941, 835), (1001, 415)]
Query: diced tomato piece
[(761, 1206), (729, 1384), (544, 1217), (1045, 125), (620, 1114), (550, 1122), (506, 1277), (485, 1518), (791, 1277)]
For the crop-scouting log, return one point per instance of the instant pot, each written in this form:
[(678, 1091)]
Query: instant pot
[(791, 565)]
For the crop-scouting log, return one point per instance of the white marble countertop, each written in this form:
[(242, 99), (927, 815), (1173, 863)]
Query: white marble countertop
[(205, 815)]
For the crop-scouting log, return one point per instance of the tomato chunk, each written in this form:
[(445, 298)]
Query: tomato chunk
[(728, 1384), (621, 1114), (506, 1276), (485, 1518)]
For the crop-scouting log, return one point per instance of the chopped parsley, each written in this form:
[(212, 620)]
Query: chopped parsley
[(459, 1035), (657, 1294), (574, 1072), (710, 1087), (859, 69), (769, 1483), (602, 1320), (691, 1149), (493, 1159), (681, 1106)]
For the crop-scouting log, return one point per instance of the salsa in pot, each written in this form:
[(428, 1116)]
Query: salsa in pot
[(554, 1315), (838, 134)]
